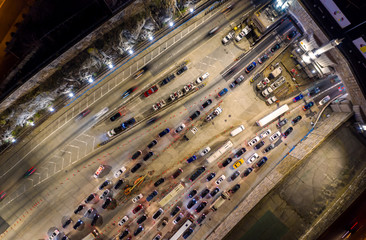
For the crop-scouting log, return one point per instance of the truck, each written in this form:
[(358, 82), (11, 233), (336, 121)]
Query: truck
[(275, 73), (191, 133), (219, 201)]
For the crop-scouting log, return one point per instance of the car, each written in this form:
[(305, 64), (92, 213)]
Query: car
[(297, 98), (265, 133), (275, 136), (213, 31), (167, 80), (95, 219), (341, 88), (177, 173), (152, 90), (291, 34), (118, 184), (204, 193), (240, 152), (238, 163), (275, 47), (180, 128), (222, 92), (258, 75), (165, 132), (138, 230), (99, 171), (204, 151), (253, 141), (252, 158), (227, 162), (136, 155), (198, 172), (157, 237), (106, 202), (124, 234), (157, 214), (78, 224), (205, 104), (268, 148), (247, 171), (2, 195), (128, 123), (128, 92), (234, 175), (115, 116), (30, 172), (175, 211), (67, 223), (195, 115), (234, 189), (187, 233), (123, 221), (201, 206), (281, 123), (89, 212), (263, 59), (237, 81), (141, 219), (240, 36), (147, 156), (136, 167), (308, 106), (152, 195), (192, 193), (119, 172), (263, 83), (191, 159), (83, 113), (259, 145), (160, 181), (137, 209), (90, 198), (214, 191), (227, 38), (159, 105), (202, 78), (210, 176), (313, 91), (182, 70), (261, 162), (250, 67), (138, 197), (178, 218), (105, 194), (324, 100), (296, 120), (287, 132), (271, 100), (80, 207), (104, 184), (201, 218), (152, 144), (220, 179), (191, 203)]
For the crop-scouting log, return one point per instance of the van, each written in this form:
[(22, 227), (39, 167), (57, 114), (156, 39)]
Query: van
[(237, 130)]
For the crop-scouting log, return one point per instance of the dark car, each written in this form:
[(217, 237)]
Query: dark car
[(308, 106), (261, 162), (291, 34), (124, 234), (187, 233), (191, 159), (153, 143), (240, 152), (91, 197), (137, 208), (235, 175), (263, 59), (227, 162), (237, 81), (250, 67), (152, 90), (222, 92), (78, 224), (148, 155), (204, 193), (210, 176), (205, 104), (201, 207), (104, 184), (192, 193), (268, 148), (214, 192), (259, 145), (136, 155), (95, 219), (128, 92), (297, 98), (115, 116), (296, 120), (106, 202), (152, 195), (191, 203), (275, 47), (198, 172), (67, 223), (30, 172), (235, 188), (141, 219), (175, 211), (158, 213), (287, 132), (165, 132), (313, 91), (201, 218), (167, 80), (128, 123), (195, 115), (118, 184), (177, 173), (136, 167), (182, 70), (160, 181), (247, 172), (80, 207), (281, 123), (138, 230)]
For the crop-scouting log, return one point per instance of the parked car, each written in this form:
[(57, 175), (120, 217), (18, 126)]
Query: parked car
[(95, 219), (152, 195), (158, 213), (291, 34), (265, 133), (297, 98), (178, 218), (167, 80), (118, 184), (252, 158), (152, 90), (128, 123), (123, 221), (147, 156), (204, 151), (115, 116), (78, 224), (259, 145), (210, 176), (240, 152), (191, 159), (222, 92), (191, 203), (137, 209), (152, 144), (201, 218), (136, 167), (163, 133), (201, 207), (227, 38), (180, 128), (202, 78), (238, 163), (275, 47), (308, 106), (281, 123), (105, 194), (141, 219), (247, 171), (138, 197), (182, 70), (177, 173), (136, 155), (175, 211), (80, 207), (99, 171), (214, 191), (287, 132), (263, 59), (90, 198), (192, 193), (106, 202), (268, 148), (195, 115), (205, 104), (138, 230), (261, 162), (227, 162), (237, 81), (296, 120), (67, 223), (250, 67), (187, 233), (198, 172), (104, 184), (160, 181), (234, 175), (220, 179), (253, 141), (234, 189), (124, 234), (204, 193), (119, 172), (275, 136)]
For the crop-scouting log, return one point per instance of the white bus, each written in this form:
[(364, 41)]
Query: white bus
[(272, 116), (181, 230), (172, 194), (219, 152)]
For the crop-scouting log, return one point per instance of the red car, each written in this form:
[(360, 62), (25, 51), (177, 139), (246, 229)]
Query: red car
[(152, 90), (137, 209), (30, 172)]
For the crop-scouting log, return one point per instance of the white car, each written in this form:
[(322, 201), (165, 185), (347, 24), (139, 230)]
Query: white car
[(99, 171), (324, 100), (220, 179), (227, 38), (271, 100), (122, 221), (158, 105), (54, 235), (138, 197), (253, 141), (180, 128), (205, 151), (265, 133), (252, 158), (275, 136), (262, 84), (101, 113), (200, 79), (240, 36), (119, 172), (267, 91), (215, 113)]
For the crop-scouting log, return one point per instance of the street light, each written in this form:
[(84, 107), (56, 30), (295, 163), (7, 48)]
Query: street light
[(71, 94), (130, 51), (13, 140), (90, 80), (171, 24), (110, 65), (151, 38), (51, 109), (191, 10)]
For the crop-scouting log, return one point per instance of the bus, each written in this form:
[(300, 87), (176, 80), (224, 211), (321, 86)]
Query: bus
[(220, 151), (172, 194), (273, 116), (181, 230)]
